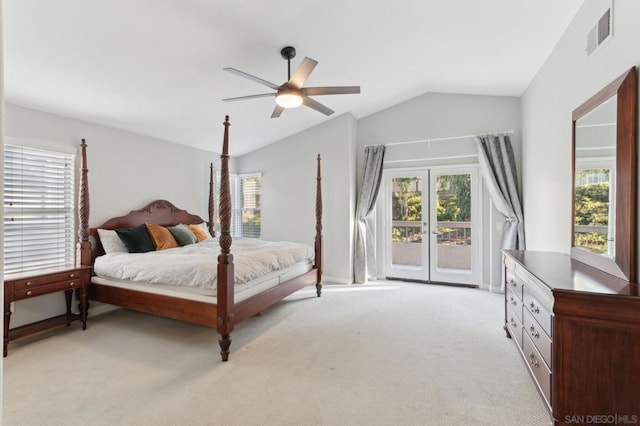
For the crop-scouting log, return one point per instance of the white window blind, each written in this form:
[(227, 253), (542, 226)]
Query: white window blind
[(245, 204), (247, 216), (39, 222)]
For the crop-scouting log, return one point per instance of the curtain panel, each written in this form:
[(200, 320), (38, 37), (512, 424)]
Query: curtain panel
[(364, 250), (498, 168)]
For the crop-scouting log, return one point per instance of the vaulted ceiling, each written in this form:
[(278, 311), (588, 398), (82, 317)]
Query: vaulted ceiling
[(155, 67)]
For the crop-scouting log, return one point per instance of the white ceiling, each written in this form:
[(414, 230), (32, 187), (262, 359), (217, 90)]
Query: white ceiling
[(154, 67)]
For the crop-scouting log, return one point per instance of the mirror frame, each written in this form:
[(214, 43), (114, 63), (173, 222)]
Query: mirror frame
[(623, 265)]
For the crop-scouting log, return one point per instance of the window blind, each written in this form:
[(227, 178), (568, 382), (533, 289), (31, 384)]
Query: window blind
[(39, 223), (249, 190), (245, 204)]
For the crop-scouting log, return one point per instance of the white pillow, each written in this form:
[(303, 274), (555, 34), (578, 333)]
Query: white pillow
[(111, 242), (205, 228)]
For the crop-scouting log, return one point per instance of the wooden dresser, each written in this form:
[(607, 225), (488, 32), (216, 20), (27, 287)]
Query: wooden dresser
[(578, 331), (38, 283)]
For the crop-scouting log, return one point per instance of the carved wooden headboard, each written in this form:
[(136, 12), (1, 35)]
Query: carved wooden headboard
[(160, 212)]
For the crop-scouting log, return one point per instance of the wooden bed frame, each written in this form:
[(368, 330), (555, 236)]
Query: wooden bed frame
[(225, 313)]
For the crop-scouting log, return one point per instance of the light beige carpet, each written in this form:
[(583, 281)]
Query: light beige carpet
[(386, 353)]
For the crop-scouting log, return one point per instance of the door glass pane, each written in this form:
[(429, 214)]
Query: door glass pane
[(406, 228), (453, 228)]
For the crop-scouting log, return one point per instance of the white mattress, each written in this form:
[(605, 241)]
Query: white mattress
[(242, 291), (195, 265)]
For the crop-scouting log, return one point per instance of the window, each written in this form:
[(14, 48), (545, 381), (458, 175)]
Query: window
[(245, 204), (38, 209), (246, 216)]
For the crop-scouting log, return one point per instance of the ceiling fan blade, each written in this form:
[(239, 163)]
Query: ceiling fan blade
[(277, 111), (302, 73), (336, 90), (316, 105), (241, 98), (252, 77)]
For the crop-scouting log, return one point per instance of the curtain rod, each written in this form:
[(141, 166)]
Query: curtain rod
[(508, 132)]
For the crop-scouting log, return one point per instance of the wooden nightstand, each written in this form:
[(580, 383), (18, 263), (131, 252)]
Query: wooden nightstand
[(37, 283)]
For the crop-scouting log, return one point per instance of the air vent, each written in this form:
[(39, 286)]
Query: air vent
[(599, 33)]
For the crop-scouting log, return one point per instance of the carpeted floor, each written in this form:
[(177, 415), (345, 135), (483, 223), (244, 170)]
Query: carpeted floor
[(386, 353)]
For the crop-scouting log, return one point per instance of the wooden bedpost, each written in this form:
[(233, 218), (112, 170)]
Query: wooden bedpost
[(225, 259), (211, 202), (318, 243), (83, 252)]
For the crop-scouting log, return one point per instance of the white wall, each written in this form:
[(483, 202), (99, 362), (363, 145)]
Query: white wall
[(567, 79), (438, 115), (126, 171), (288, 190)]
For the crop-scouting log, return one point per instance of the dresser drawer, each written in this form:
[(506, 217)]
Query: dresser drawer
[(45, 280), (539, 338), (515, 326), (538, 311), (45, 289), (538, 367), (514, 303), (513, 283)]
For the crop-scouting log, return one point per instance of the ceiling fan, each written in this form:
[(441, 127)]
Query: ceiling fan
[(291, 94)]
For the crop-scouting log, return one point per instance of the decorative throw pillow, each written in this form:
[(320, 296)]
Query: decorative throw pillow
[(183, 235), (161, 237), (136, 239), (110, 241), (205, 228), (201, 234)]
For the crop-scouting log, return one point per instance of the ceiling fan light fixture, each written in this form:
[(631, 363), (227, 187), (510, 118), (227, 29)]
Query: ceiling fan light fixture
[(292, 93), (288, 98)]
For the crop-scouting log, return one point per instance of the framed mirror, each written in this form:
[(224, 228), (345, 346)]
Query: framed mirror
[(603, 230)]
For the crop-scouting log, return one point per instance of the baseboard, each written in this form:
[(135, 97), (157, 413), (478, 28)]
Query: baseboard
[(335, 280)]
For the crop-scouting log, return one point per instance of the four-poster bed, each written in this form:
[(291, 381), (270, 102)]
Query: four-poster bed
[(222, 311)]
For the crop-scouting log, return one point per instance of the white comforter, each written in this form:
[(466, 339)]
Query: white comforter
[(196, 265)]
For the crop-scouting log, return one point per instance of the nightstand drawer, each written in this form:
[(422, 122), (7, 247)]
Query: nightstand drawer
[(46, 289), (45, 280)]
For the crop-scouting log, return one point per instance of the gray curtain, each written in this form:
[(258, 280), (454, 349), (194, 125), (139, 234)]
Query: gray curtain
[(498, 168), (364, 250)]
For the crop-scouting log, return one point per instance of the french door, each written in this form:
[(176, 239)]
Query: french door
[(431, 225)]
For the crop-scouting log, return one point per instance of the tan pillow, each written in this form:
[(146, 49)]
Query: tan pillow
[(200, 234), (161, 236)]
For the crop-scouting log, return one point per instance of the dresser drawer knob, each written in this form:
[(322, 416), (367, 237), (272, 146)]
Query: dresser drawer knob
[(28, 283), (533, 361), (513, 323), (534, 333), (29, 292), (513, 301), (513, 283), (71, 275), (71, 284), (534, 308)]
